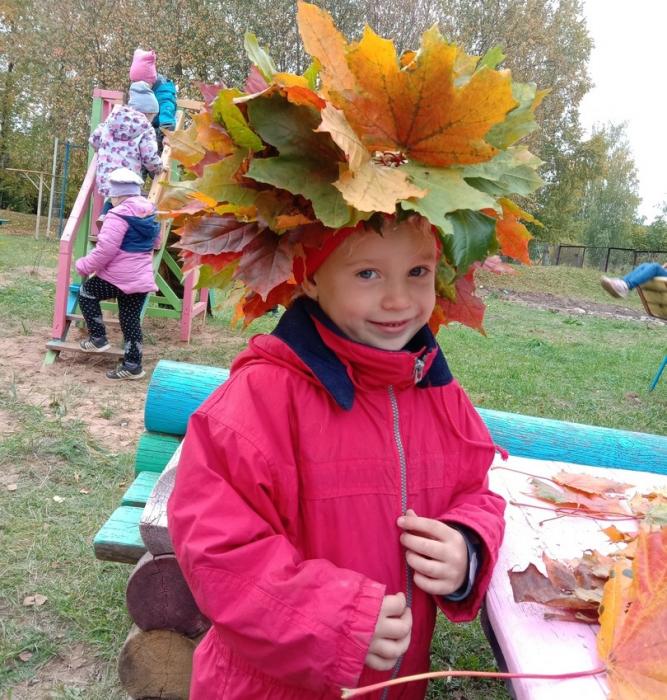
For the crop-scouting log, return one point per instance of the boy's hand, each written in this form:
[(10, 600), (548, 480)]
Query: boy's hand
[(392, 633), (436, 552)]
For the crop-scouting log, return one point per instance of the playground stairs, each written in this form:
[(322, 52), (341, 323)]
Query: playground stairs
[(177, 296)]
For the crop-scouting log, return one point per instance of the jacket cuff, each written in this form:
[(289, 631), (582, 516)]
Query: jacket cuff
[(353, 647), (474, 563)]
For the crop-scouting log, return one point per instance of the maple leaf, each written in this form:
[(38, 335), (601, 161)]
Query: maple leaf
[(213, 235), (211, 135), (467, 308), (633, 622), (210, 91), (416, 109), (567, 498), (587, 483), (266, 262), (253, 306), (255, 81), (366, 185), (226, 112), (184, 146), (259, 57), (473, 238), (513, 171), (521, 120)]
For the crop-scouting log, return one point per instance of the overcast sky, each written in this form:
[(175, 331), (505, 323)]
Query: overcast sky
[(627, 68)]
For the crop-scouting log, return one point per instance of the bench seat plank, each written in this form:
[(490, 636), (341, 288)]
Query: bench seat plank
[(119, 538), (140, 489)]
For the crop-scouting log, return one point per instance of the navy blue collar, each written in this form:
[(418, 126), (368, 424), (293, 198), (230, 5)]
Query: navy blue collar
[(297, 329)]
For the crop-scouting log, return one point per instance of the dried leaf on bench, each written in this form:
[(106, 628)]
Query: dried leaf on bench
[(589, 484), (566, 498), (633, 635), (573, 586)]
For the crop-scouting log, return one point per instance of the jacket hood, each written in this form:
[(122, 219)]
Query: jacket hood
[(340, 364), (135, 206), (126, 124)]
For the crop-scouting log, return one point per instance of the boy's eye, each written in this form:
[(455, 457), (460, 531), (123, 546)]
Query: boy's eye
[(367, 274), (418, 271)]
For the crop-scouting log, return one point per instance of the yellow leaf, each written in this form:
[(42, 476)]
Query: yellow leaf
[(184, 146), (376, 187), (211, 135)]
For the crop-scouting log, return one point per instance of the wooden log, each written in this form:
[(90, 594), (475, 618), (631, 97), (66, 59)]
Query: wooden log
[(543, 438), (140, 489), (180, 388), (159, 598), (156, 664), (154, 451), (153, 522), (175, 391)]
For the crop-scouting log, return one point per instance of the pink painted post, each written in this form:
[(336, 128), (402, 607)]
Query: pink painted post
[(65, 255)]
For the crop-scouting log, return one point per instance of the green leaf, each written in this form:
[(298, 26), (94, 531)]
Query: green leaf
[(259, 57), (210, 279), (312, 72), (226, 112), (291, 128), (218, 182), (447, 192), (309, 178), (513, 171), (492, 58), (521, 120), (473, 238), (445, 276)]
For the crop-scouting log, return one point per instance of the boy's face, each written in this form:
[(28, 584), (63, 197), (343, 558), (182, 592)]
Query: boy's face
[(379, 289)]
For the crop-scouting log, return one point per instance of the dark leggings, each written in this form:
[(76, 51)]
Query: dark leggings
[(95, 290)]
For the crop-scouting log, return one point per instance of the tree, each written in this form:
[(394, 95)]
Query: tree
[(610, 201)]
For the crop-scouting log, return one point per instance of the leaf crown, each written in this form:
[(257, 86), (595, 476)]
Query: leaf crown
[(362, 133)]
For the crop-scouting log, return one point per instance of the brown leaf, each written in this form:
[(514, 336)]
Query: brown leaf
[(35, 600), (587, 483)]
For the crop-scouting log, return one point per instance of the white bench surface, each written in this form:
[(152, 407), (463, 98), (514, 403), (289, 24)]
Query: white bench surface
[(529, 643)]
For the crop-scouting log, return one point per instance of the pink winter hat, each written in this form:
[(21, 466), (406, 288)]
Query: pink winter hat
[(143, 66)]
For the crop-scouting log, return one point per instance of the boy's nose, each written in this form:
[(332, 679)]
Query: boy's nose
[(396, 296)]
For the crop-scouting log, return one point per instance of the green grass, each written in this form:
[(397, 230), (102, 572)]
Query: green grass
[(571, 367), (46, 548)]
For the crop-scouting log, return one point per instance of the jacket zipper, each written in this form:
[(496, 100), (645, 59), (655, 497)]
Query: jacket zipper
[(418, 371)]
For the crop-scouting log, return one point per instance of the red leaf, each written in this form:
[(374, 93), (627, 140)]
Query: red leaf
[(255, 81), (210, 91), (468, 309), (254, 306), (266, 262), (212, 235)]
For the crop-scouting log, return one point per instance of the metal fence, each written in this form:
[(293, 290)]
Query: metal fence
[(611, 259)]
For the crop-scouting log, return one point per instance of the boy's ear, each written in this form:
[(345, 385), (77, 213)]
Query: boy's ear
[(309, 287)]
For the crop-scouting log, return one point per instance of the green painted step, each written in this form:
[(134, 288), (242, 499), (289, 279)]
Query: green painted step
[(140, 489), (154, 451), (119, 539)]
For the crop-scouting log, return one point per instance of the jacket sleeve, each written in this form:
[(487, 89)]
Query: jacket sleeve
[(95, 137), (108, 243), (232, 517), (150, 158), (474, 506)]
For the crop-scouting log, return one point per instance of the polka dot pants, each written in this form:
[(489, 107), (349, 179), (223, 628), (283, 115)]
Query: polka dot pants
[(95, 290)]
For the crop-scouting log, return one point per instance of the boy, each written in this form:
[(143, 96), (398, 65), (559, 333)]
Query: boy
[(333, 492), (122, 262)]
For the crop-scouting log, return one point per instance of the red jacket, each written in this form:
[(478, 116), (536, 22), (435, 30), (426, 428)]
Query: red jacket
[(283, 516)]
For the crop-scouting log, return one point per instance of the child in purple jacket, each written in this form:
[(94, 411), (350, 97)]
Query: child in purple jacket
[(126, 138), (122, 263)]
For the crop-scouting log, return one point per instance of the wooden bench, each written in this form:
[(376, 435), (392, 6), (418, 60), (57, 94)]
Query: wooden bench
[(4, 221), (157, 654), (524, 641)]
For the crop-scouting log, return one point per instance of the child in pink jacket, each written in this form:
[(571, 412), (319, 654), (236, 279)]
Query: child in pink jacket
[(122, 265), (333, 493)]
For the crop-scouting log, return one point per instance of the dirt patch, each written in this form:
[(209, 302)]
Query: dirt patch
[(551, 302), (71, 671)]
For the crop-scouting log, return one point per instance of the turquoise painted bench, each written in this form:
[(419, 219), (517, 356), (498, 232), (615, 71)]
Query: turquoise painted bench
[(177, 389)]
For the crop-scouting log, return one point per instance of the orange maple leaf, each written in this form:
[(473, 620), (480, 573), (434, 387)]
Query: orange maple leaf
[(467, 308), (418, 109), (633, 624)]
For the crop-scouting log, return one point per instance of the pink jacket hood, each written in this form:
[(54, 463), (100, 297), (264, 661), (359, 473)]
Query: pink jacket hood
[(283, 516)]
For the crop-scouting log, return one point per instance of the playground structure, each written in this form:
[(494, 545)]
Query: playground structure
[(654, 298), (80, 233), (156, 658)]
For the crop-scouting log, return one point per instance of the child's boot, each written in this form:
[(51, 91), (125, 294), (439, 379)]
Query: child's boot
[(126, 370), (94, 345)]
